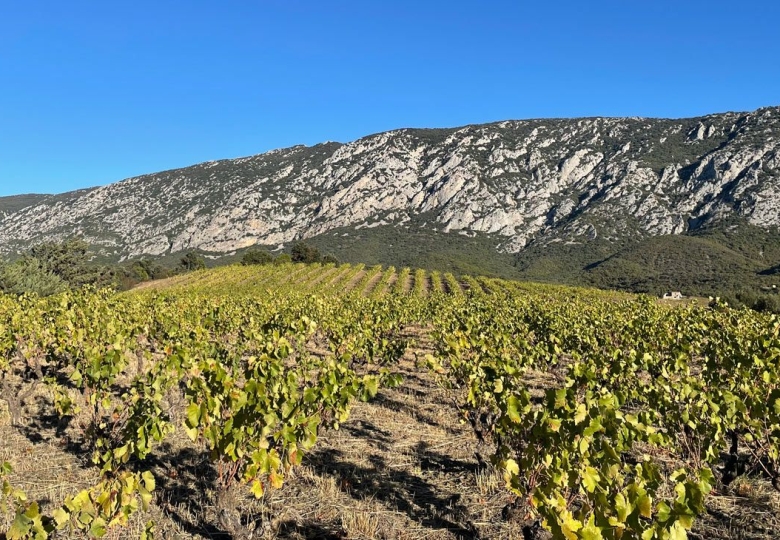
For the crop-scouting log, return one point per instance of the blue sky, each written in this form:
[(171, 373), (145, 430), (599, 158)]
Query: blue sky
[(93, 92)]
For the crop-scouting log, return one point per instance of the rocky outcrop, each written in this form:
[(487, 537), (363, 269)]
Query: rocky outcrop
[(546, 180)]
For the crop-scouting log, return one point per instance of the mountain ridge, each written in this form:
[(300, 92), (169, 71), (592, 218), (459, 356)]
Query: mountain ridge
[(518, 183), (400, 129)]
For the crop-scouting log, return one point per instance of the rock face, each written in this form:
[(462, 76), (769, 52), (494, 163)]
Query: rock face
[(540, 180)]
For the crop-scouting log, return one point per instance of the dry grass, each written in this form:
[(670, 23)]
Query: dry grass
[(749, 508)]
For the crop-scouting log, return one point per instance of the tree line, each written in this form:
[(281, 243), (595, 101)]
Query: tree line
[(52, 267), (300, 252)]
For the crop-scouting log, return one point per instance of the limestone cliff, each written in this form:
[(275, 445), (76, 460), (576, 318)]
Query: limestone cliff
[(540, 180)]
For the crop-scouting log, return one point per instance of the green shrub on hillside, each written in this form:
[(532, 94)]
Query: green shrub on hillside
[(256, 256), (51, 267), (192, 261), (305, 253), (28, 275), (71, 262), (147, 269), (759, 301)]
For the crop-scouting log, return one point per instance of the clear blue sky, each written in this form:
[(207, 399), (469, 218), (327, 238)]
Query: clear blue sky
[(93, 92)]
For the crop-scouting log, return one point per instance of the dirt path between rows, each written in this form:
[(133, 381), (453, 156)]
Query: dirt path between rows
[(355, 280), (372, 283)]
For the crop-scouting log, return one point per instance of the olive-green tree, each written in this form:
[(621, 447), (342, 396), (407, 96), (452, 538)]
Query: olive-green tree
[(28, 275), (305, 253), (192, 261), (256, 256), (50, 267)]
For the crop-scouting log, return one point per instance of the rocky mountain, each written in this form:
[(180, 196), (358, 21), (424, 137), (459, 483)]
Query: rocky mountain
[(520, 184)]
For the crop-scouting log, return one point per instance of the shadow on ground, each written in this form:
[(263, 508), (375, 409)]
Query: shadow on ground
[(398, 489)]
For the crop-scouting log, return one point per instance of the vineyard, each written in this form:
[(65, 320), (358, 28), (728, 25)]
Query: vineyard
[(323, 401)]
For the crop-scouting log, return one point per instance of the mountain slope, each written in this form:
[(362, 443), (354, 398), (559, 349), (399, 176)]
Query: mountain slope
[(521, 185), (666, 263), (10, 205)]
